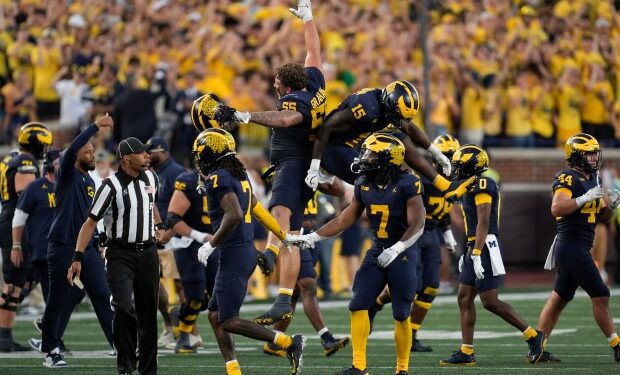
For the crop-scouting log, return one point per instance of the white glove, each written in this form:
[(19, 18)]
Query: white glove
[(590, 195), (326, 178), (478, 269), (441, 159), (204, 253), (303, 11), (388, 255), (312, 177), (448, 238), (302, 240), (461, 264), (198, 236), (614, 198), (243, 117)]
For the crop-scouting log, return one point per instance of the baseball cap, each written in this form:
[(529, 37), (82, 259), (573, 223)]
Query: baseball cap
[(129, 146), (157, 144)]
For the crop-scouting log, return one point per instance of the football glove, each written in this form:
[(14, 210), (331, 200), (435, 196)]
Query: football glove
[(312, 176), (461, 264), (388, 255), (224, 114), (459, 188), (441, 159), (302, 240), (204, 253), (303, 11), (448, 238), (266, 261), (614, 198), (478, 269), (590, 195)]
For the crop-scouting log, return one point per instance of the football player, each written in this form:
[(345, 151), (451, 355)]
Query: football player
[(368, 111), (579, 203), (231, 206), (300, 111), (429, 245), (187, 215), (481, 266), (393, 203), (33, 138)]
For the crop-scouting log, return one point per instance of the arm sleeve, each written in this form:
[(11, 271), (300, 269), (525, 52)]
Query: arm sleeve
[(483, 191), (70, 155), (185, 185), (411, 186), (26, 200), (316, 80), (268, 221), (102, 200), (26, 165), (563, 182)]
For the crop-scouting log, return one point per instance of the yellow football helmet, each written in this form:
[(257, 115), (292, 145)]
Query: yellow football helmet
[(35, 138), (400, 100), (379, 151), (210, 146), (203, 112), (469, 160), (578, 147), (447, 144)]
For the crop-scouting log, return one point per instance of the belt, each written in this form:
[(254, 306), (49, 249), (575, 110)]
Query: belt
[(137, 246)]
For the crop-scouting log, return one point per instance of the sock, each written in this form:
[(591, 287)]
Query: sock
[(282, 340), (284, 295), (55, 351), (325, 334), (5, 333), (274, 248), (360, 329), (467, 349), (402, 336), (613, 339), (232, 368), (530, 333), (415, 327)]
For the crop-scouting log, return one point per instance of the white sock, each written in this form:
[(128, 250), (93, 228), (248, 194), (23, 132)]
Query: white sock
[(612, 337), (322, 331)]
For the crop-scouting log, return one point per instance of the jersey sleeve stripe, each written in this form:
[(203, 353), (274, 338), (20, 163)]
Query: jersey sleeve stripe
[(563, 190), (482, 198)]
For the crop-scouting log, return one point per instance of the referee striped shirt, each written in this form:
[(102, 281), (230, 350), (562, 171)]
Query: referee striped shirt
[(126, 205)]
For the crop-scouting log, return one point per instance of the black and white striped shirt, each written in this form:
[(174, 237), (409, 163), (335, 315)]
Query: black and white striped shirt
[(126, 205)]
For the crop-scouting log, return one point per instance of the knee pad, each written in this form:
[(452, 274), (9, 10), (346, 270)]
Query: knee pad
[(189, 314), (425, 299), (400, 314)]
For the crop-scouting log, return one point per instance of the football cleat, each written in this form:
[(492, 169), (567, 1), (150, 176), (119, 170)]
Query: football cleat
[(196, 341), (38, 324), (352, 371), (537, 346), (332, 346), (273, 349), (55, 360), (372, 312), (547, 357), (459, 358), (295, 354), (183, 345), (279, 311), (35, 344), (417, 346), (166, 338), (266, 261), (617, 352)]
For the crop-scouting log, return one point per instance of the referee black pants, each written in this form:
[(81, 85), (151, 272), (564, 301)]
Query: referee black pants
[(134, 273)]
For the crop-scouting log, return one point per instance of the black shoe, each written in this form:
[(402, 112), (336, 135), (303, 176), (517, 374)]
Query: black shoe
[(20, 348), (372, 312), (8, 345), (537, 347), (417, 346), (617, 352), (266, 261), (279, 311), (548, 357), (459, 358), (38, 324), (183, 346), (295, 354), (352, 371), (54, 360), (273, 349), (332, 346)]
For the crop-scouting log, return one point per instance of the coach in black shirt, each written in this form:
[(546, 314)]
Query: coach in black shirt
[(126, 202)]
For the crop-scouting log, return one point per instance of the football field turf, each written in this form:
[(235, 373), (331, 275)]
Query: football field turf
[(500, 349)]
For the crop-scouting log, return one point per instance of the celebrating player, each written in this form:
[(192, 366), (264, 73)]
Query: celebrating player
[(579, 203), (393, 203), (481, 266)]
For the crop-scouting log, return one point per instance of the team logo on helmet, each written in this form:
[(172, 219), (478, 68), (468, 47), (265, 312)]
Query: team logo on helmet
[(578, 147), (379, 151), (210, 146), (400, 100), (469, 160)]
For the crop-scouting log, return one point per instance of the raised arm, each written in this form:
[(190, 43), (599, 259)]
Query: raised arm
[(70, 155), (311, 35)]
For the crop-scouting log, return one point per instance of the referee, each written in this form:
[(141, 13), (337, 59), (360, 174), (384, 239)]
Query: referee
[(125, 201)]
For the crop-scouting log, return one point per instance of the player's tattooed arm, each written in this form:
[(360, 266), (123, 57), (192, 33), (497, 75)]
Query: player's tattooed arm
[(337, 123), (276, 119)]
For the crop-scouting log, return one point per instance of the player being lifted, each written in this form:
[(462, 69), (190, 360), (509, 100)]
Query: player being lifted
[(231, 206), (429, 245), (578, 204), (300, 110), (393, 203), (481, 266)]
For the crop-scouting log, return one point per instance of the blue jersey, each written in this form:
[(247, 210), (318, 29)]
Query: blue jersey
[(197, 215), (38, 201), (21, 163), (74, 193), (579, 226), (485, 191), (296, 141), (167, 174), (220, 183), (437, 207), (366, 108), (387, 208)]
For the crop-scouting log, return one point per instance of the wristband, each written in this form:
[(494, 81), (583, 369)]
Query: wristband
[(17, 246), (78, 256), (197, 236), (476, 252), (160, 226)]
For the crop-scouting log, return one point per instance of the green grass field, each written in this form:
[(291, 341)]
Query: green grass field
[(499, 348)]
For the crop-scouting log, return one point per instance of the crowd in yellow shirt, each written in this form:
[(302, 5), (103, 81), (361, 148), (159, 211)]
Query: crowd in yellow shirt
[(502, 72)]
